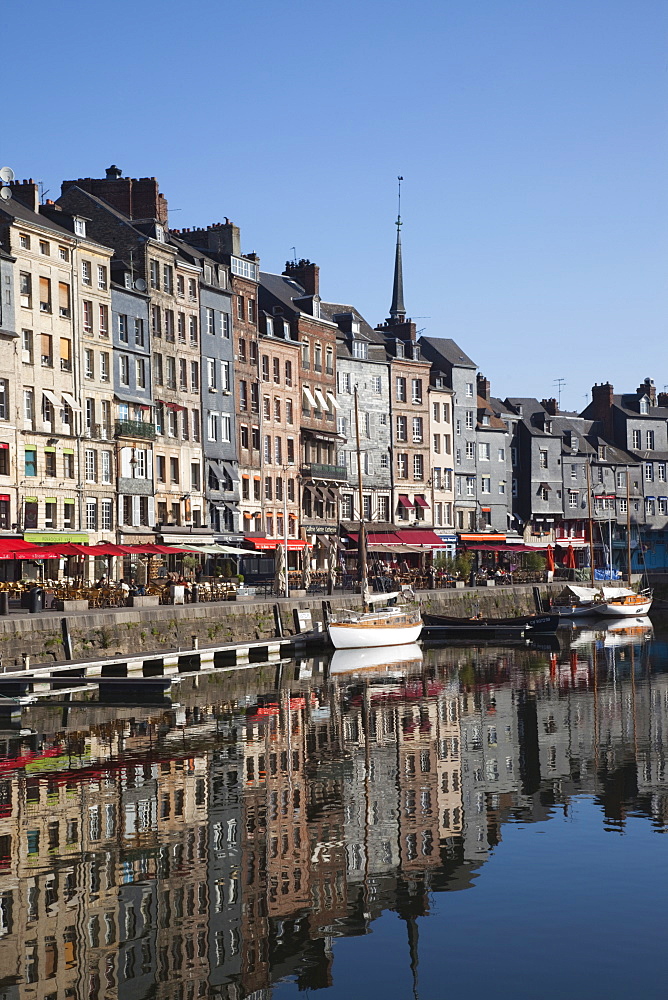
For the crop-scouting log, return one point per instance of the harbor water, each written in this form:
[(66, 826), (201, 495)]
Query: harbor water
[(456, 821)]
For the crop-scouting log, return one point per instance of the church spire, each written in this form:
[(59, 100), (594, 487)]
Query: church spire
[(397, 309)]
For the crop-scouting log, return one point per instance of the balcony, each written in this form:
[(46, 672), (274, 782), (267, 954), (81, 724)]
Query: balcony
[(135, 429), (313, 470)]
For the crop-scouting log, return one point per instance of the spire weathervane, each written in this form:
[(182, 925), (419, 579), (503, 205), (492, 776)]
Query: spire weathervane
[(397, 309)]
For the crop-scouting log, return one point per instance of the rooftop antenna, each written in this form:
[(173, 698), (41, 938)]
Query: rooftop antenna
[(559, 382), (42, 192), (294, 254), (6, 178)]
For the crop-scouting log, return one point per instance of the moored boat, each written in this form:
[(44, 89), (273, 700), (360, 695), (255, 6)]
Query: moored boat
[(445, 627), (629, 606)]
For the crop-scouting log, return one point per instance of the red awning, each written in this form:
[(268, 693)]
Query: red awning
[(421, 502), (378, 538), (420, 537), (273, 543), (499, 547), (405, 502)]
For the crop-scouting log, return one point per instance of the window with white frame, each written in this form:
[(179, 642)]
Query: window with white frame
[(211, 380), (436, 444), (635, 437), (502, 455), (384, 460), (346, 507), (91, 515), (470, 449), (663, 505), (105, 467), (661, 472), (485, 484), (104, 366), (89, 364), (377, 384), (402, 466), (469, 389), (418, 466), (623, 505), (649, 440), (573, 499), (502, 487), (649, 506), (90, 465), (483, 451), (101, 277), (417, 430), (416, 390), (225, 427), (542, 458), (469, 420), (212, 426), (401, 389), (649, 472), (402, 428), (470, 486), (210, 322), (86, 272), (124, 369), (106, 515), (140, 463), (225, 376)]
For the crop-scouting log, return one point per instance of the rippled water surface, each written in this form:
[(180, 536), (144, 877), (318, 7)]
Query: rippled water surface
[(460, 822)]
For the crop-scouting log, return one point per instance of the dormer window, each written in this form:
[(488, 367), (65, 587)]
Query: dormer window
[(354, 326), (548, 426), (359, 349), (601, 452), (270, 326), (127, 279), (160, 234), (644, 406), (316, 307), (399, 349), (79, 226), (485, 420)]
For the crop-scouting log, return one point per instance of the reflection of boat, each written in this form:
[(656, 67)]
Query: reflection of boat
[(616, 633), (376, 659), (628, 606), (522, 626), (391, 625)]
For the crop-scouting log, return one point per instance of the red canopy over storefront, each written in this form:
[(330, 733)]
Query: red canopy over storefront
[(273, 543)]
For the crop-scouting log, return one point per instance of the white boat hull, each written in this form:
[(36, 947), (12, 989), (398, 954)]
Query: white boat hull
[(637, 609), (352, 635)]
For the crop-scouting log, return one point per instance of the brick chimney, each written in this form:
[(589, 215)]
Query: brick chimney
[(601, 396), (136, 198), (550, 405), (304, 273), (662, 399), (483, 386), (27, 192), (648, 389)]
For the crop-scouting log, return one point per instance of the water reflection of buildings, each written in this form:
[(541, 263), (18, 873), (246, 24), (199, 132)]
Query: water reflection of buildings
[(214, 851)]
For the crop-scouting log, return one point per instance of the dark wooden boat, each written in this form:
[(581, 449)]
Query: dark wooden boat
[(445, 627)]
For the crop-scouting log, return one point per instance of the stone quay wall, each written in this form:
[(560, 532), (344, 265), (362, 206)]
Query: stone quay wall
[(96, 634)]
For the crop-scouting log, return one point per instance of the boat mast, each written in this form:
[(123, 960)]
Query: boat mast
[(628, 528), (591, 523), (362, 531)]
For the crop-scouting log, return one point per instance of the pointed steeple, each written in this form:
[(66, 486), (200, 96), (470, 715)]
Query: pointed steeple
[(397, 309)]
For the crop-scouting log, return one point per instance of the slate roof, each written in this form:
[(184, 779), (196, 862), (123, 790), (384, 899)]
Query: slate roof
[(331, 309), (16, 210), (447, 349)]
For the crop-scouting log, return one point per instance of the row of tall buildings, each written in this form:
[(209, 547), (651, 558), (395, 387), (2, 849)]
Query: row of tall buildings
[(216, 849), (155, 383)]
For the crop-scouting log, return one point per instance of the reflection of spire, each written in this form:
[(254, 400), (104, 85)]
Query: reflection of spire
[(412, 928), (397, 309)]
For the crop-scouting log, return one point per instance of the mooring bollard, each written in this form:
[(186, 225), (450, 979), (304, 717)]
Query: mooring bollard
[(4, 603), (195, 642), (194, 594), (36, 600)]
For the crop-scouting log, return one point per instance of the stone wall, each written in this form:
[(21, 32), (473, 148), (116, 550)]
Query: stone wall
[(115, 633)]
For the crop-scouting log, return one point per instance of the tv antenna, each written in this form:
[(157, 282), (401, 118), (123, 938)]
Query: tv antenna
[(559, 382), (294, 254)]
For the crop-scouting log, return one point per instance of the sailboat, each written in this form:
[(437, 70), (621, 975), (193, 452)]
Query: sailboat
[(375, 625)]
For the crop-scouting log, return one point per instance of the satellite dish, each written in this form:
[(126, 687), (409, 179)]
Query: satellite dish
[(140, 285), (5, 193), (6, 175)]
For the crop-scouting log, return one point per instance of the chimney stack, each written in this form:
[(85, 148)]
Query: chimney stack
[(483, 387), (27, 192), (648, 389), (304, 273), (602, 398), (136, 198), (550, 405), (662, 399)]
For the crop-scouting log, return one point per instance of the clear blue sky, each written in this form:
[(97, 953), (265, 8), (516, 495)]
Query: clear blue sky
[(531, 135)]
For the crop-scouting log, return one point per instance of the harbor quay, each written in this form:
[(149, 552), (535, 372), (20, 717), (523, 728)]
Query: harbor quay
[(99, 633)]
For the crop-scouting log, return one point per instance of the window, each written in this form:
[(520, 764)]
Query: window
[(417, 430), (86, 272), (470, 486), (211, 374), (154, 269), (89, 364), (104, 367), (140, 373), (45, 295), (46, 350), (91, 515), (169, 326), (212, 426), (291, 451), (157, 369), (195, 424), (28, 406), (470, 449), (172, 423), (469, 420), (24, 241), (4, 399), (416, 390), (90, 465), (277, 408), (649, 506), (401, 389), (26, 341), (649, 438), (194, 376), (107, 515), (502, 487), (484, 451), (123, 369), (360, 349), (661, 472), (25, 289), (139, 332), (251, 310), (663, 505), (502, 454), (644, 407), (402, 428), (167, 278), (63, 299), (306, 354), (50, 514), (636, 439), (278, 451), (171, 373), (68, 465), (469, 389), (87, 317), (105, 467), (485, 484), (649, 472), (45, 248), (402, 466), (49, 462), (174, 470), (241, 312), (123, 328), (192, 326), (225, 323), (104, 321), (266, 408), (156, 322)]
